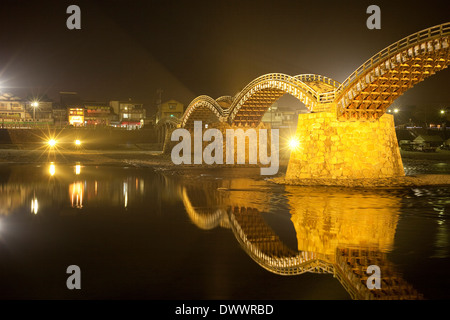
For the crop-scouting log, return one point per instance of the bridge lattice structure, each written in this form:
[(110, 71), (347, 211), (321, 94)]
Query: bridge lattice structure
[(365, 95)]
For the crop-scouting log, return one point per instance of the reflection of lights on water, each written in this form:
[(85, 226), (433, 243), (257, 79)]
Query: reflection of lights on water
[(52, 169), (76, 191), (125, 194), (96, 187), (77, 169), (141, 186), (34, 206)]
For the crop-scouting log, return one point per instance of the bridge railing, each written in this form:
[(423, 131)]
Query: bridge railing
[(395, 48), (280, 77), (324, 97), (225, 99), (274, 77), (318, 77)]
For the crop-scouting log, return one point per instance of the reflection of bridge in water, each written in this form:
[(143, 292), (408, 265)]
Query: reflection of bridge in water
[(335, 234)]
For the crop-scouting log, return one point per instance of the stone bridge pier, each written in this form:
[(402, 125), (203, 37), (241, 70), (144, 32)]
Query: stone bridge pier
[(332, 149)]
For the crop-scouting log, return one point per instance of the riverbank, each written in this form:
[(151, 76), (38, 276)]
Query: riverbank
[(407, 181), (415, 163)]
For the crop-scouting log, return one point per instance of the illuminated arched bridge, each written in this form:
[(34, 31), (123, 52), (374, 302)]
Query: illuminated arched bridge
[(347, 134), (364, 95)]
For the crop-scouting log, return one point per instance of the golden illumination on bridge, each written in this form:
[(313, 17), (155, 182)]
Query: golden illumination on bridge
[(348, 134), (373, 87), (365, 94)]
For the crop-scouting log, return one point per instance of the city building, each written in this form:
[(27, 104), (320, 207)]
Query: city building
[(40, 111), (130, 115), (282, 116), (97, 114), (12, 110), (171, 108), (70, 99), (76, 116), (431, 140), (60, 116), (74, 106)]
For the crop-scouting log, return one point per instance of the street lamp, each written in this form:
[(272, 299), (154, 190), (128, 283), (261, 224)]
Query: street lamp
[(396, 110), (34, 104), (51, 143)]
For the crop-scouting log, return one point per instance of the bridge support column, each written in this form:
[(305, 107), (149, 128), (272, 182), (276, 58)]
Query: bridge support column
[(332, 149)]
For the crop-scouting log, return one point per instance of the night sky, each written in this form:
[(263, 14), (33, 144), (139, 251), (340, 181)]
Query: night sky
[(129, 49)]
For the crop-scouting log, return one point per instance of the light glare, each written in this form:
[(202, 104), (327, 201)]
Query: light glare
[(52, 142), (52, 169), (294, 143)]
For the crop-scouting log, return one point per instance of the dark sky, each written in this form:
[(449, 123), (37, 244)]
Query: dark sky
[(129, 49)]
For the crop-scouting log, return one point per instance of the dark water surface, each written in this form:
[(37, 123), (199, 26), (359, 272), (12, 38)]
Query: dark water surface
[(137, 233)]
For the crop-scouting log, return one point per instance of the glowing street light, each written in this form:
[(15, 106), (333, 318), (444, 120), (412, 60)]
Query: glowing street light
[(442, 111), (293, 143), (396, 110), (51, 143), (34, 104), (78, 142)]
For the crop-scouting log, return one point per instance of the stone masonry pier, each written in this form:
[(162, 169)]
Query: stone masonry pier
[(333, 149)]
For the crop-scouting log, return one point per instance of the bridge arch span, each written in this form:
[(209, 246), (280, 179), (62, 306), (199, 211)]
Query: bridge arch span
[(204, 219), (225, 102), (164, 125), (373, 87), (202, 108), (252, 102)]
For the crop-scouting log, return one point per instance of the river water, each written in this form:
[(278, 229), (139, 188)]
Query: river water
[(143, 233)]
